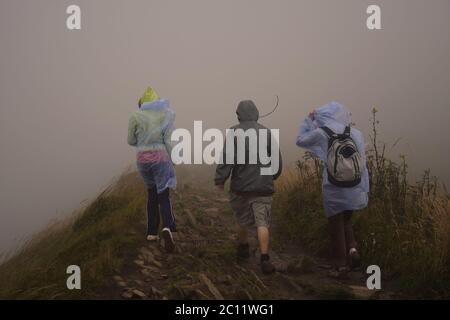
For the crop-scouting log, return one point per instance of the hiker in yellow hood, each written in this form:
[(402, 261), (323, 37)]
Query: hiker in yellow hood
[(149, 131)]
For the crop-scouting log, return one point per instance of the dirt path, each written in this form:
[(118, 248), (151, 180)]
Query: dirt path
[(205, 267)]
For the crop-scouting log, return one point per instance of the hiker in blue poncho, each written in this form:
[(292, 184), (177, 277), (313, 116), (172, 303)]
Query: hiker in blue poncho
[(149, 131), (328, 134)]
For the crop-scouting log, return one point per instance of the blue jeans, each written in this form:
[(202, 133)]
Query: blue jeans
[(159, 204)]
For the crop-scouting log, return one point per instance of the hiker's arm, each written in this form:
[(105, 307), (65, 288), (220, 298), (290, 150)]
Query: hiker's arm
[(132, 124), (280, 160), (167, 141), (167, 133), (223, 170), (308, 134)]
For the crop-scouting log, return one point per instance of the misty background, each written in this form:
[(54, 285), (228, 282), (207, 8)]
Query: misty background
[(65, 96)]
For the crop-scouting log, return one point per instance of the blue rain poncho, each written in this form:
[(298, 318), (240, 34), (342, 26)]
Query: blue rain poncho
[(336, 117), (149, 131)]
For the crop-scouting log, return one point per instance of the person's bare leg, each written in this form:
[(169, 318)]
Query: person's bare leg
[(263, 238)]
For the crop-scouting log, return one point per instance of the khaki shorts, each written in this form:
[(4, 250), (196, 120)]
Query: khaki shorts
[(251, 211)]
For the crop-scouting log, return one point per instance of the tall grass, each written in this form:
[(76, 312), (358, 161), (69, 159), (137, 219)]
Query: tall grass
[(405, 229), (100, 238), (97, 240)]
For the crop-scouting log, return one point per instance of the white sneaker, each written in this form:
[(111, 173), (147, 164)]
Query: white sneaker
[(169, 244), (152, 238)]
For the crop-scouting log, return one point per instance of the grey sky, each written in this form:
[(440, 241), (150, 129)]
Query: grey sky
[(65, 96)]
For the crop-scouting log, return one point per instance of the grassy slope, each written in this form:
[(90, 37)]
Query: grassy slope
[(110, 229), (98, 240)]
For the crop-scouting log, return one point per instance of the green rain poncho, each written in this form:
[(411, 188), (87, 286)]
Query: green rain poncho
[(149, 131)]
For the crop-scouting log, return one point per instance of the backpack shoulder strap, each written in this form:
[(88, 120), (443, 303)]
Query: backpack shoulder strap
[(347, 131), (330, 133)]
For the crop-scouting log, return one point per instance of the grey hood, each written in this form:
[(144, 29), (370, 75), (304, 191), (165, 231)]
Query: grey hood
[(247, 111)]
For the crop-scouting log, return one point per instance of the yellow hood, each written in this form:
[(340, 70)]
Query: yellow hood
[(149, 96)]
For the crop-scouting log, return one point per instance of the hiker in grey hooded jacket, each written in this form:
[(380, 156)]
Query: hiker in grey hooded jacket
[(250, 191), (246, 178)]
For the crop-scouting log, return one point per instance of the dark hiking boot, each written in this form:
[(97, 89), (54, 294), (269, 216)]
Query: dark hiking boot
[(169, 244), (266, 266), (243, 251)]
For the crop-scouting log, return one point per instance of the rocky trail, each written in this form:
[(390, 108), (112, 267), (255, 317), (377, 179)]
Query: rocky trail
[(204, 265)]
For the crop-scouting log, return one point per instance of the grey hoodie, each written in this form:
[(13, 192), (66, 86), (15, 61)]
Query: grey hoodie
[(246, 179)]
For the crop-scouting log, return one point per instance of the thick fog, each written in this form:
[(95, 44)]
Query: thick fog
[(65, 96)]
